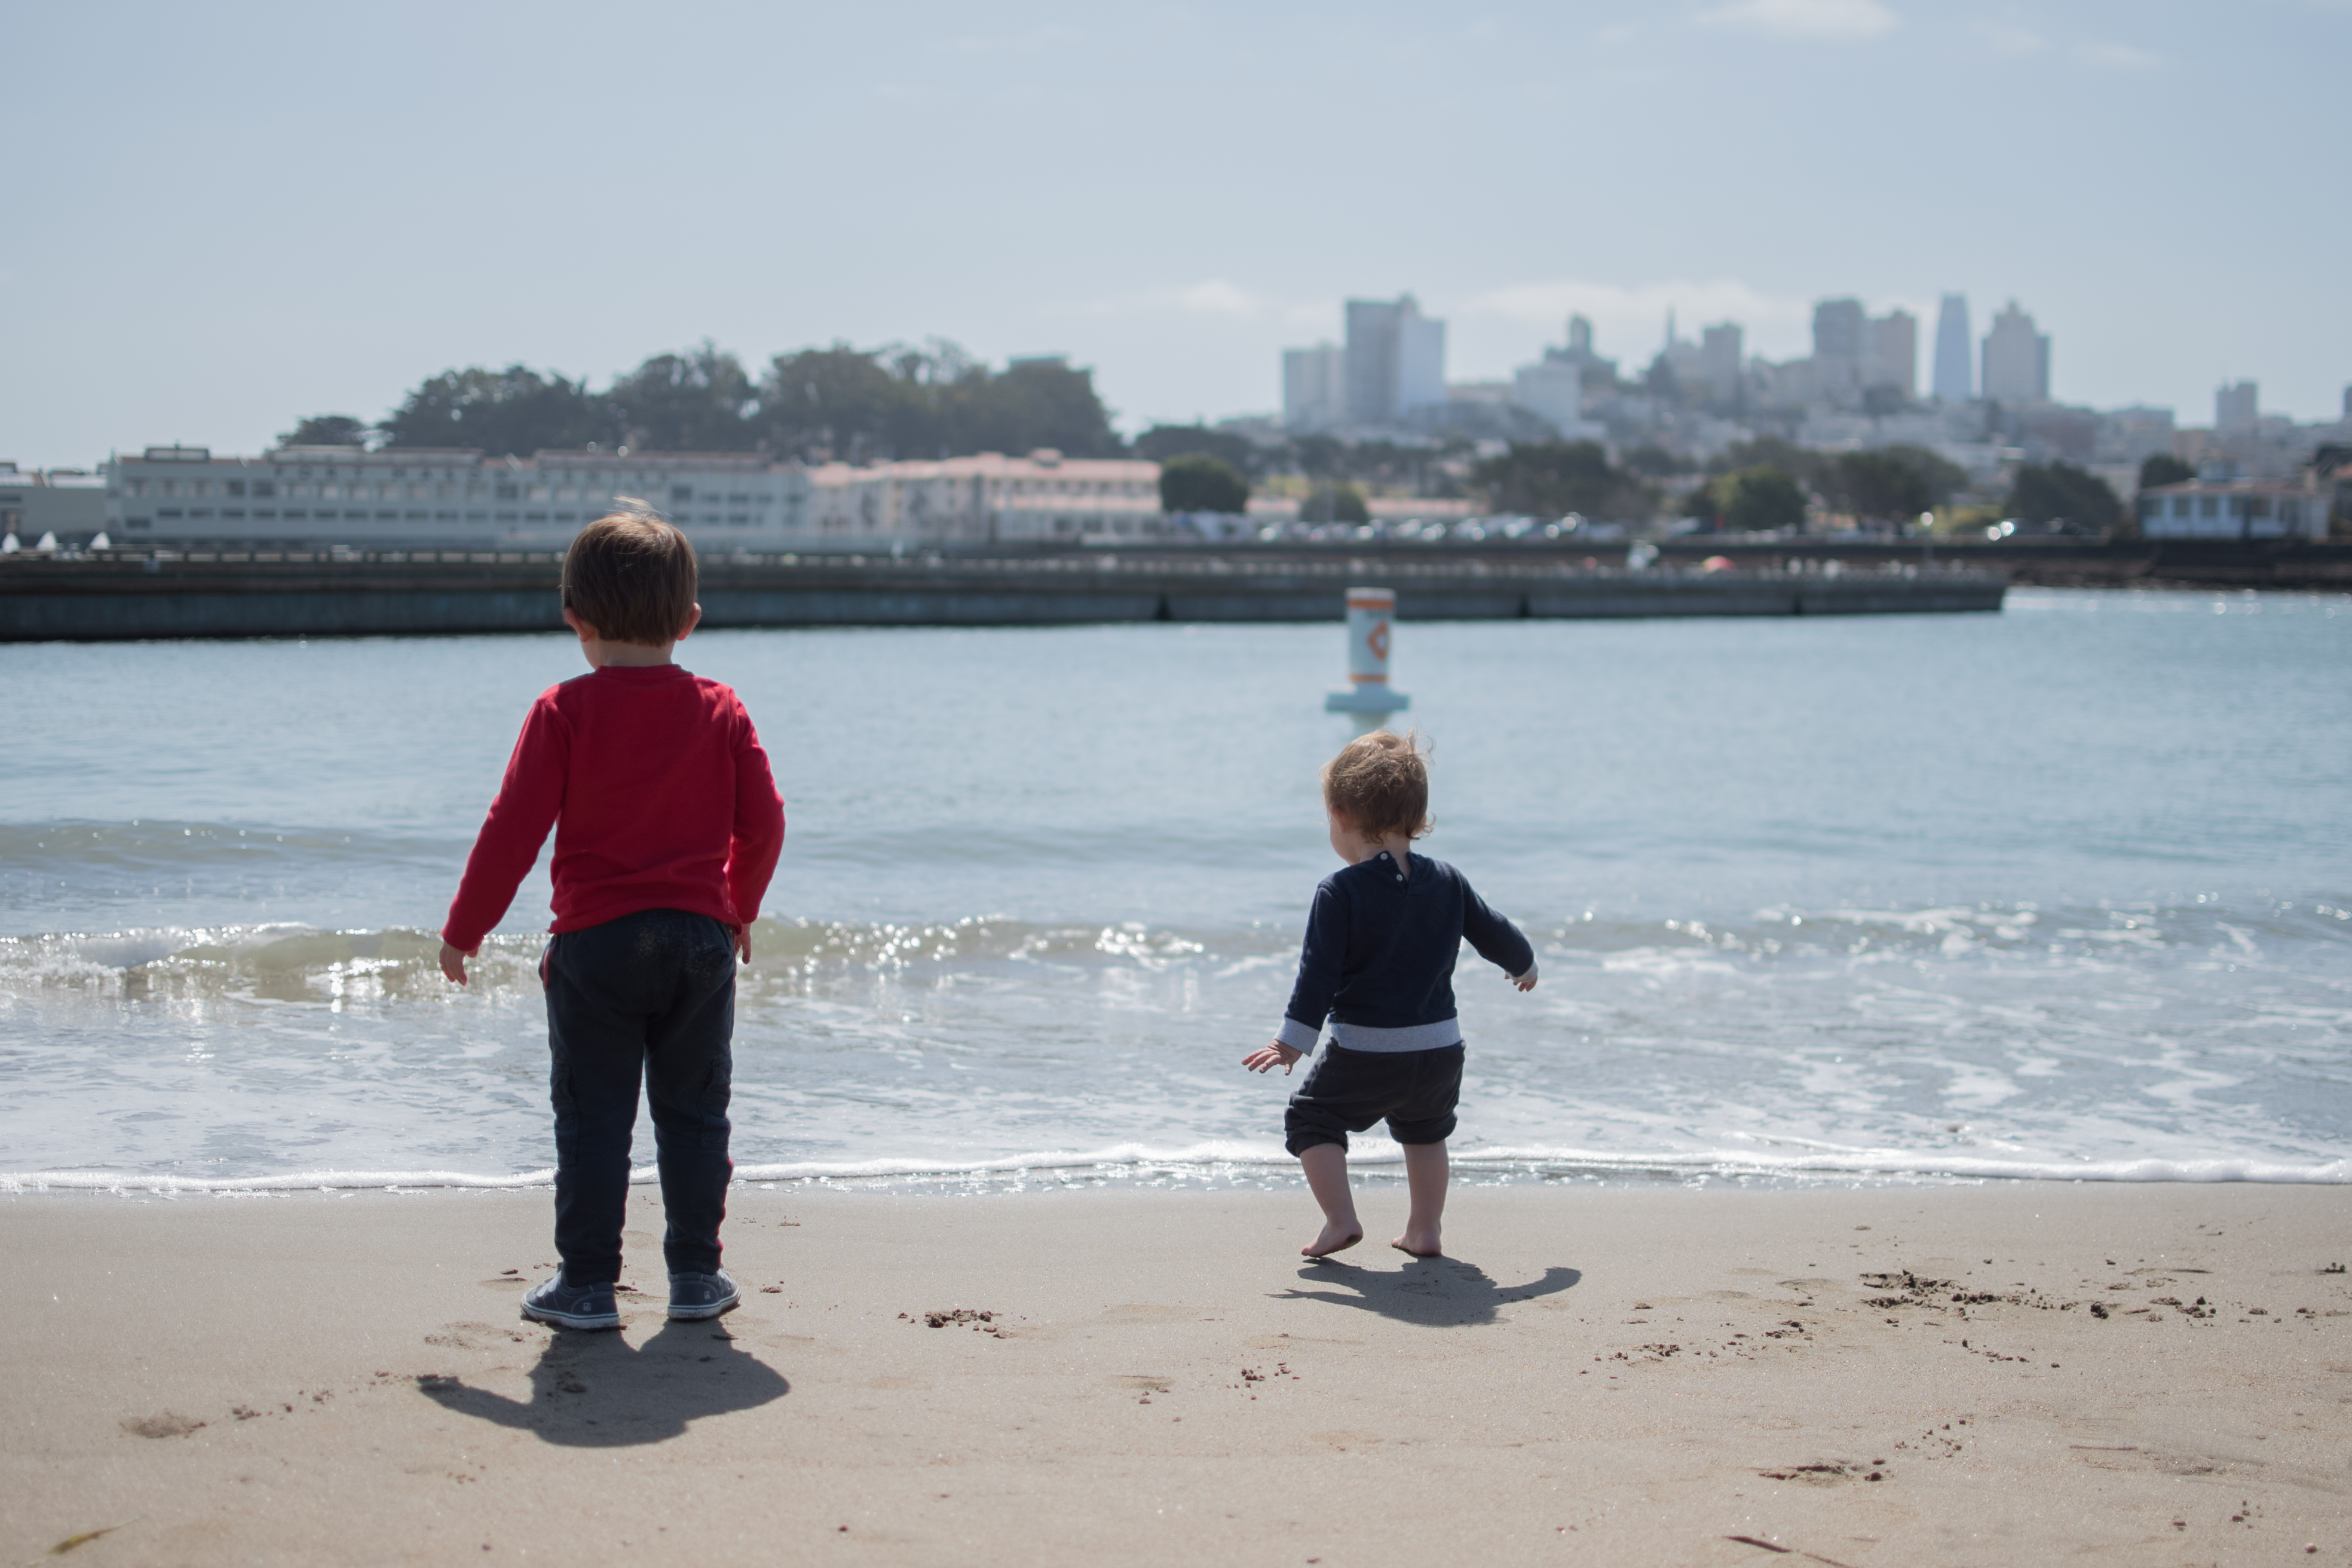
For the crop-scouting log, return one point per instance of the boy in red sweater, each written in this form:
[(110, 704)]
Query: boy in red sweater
[(667, 826)]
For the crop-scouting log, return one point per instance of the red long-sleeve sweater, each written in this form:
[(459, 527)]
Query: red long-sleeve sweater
[(659, 794)]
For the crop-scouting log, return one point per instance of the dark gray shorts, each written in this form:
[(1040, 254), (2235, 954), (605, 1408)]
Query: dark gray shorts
[(1345, 1091)]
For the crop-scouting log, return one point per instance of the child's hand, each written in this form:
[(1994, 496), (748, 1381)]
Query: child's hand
[(1525, 982), (743, 942), (1267, 1057), (453, 963)]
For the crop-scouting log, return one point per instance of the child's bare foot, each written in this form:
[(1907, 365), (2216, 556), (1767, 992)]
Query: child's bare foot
[(1335, 1238), (1419, 1244)]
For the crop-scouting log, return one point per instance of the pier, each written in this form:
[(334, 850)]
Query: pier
[(119, 596)]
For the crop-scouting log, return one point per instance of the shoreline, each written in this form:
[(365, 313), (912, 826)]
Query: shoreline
[(1218, 1167), (1654, 1375)]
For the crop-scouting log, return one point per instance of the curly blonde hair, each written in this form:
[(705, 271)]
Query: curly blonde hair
[(1379, 785)]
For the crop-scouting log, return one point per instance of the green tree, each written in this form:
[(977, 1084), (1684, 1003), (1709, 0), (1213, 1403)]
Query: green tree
[(1034, 403), (512, 412), (1654, 462), (1334, 501), (1813, 470), (1199, 482), (2054, 492), (327, 430), (1164, 442), (1548, 478), (699, 401), (843, 404), (863, 406), (1759, 499), (2164, 468)]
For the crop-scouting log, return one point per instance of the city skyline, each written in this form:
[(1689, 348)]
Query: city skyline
[(210, 236)]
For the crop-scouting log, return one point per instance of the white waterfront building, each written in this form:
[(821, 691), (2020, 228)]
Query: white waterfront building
[(319, 497), (2233, 508), (987, 498)]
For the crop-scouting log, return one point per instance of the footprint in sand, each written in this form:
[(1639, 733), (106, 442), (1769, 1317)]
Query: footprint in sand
[(164, 1426)]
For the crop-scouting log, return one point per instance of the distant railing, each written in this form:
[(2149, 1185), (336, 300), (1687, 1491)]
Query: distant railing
[(1093, 562)]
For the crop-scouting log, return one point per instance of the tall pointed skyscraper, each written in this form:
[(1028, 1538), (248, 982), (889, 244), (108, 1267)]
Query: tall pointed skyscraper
[(1955, 361)]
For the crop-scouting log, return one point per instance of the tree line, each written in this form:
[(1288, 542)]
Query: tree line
[(859, 406), (897, 402)]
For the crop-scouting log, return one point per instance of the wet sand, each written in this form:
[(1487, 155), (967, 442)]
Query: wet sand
[(1960, 1376)]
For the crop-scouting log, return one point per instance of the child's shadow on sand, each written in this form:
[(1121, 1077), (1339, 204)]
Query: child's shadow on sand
[(598, 1390), (1437, 1292)]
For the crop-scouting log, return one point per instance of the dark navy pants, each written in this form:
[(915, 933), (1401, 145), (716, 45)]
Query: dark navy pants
[(650, 995)]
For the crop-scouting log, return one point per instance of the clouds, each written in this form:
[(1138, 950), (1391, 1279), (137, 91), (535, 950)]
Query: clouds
[(2016, 40), (1210, 299), (1630, 321), (1805, 18)]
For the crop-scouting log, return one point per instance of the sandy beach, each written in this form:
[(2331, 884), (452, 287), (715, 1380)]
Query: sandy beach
[(1962, 1375)]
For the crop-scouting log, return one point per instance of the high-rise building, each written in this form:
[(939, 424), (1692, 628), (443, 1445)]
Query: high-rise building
[(1312, 387), (1955, 382), (1596, 371), (1395, 360), (2016, 359), (1421, 360), (1837, 334), (1551, 388), (1894, 357), (2236, 407), (1721, 354)]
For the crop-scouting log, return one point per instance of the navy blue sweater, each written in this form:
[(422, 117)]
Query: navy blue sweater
[(1378, 956)]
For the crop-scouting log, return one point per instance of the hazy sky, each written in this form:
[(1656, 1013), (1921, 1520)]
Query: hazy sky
[(219, 218)]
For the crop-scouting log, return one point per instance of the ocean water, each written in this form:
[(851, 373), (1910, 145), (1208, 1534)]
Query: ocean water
[(2066, 891)]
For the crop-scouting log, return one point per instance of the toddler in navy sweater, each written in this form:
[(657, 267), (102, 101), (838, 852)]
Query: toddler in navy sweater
[(1379, 963)]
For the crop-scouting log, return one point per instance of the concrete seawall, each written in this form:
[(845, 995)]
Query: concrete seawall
[(127, 596)]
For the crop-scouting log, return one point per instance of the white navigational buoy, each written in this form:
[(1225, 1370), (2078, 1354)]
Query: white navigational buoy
[(1371, 631)]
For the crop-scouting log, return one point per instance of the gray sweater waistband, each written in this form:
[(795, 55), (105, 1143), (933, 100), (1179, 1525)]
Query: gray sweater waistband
[(1411, 1037)]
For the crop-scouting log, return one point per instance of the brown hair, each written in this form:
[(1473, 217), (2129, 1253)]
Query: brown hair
[(632, 578), (1378, 786)]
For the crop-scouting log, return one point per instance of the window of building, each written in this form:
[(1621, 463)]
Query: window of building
[(233, 487), (680, 493), (265, 487), (510, 492), (2209, 506)]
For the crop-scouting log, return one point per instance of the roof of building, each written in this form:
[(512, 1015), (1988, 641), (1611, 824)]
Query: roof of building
[(2230, 487), (1044, 463)]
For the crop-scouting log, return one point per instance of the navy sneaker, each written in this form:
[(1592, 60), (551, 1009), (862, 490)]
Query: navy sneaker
[(698, 1296), (571, 1306)]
